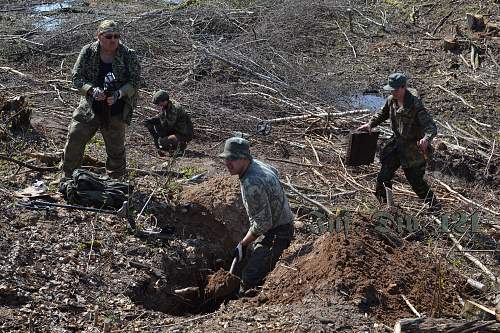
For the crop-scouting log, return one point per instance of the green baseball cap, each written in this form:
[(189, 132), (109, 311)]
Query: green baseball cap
[(108, 26), (160, 96), (395, 81), (236, 148)]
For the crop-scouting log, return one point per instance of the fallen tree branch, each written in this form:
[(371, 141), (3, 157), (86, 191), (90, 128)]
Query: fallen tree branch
[(469, 256), (455, 95), (305, 197), (318, 115), (26, 165), (464, 199), (347, 39)]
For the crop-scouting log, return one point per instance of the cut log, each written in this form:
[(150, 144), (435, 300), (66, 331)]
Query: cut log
[(442, 325)]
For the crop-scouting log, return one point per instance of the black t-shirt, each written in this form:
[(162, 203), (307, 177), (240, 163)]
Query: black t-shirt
[(100, 106)]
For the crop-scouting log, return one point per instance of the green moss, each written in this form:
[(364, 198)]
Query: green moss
[(89, 244), (188, 172)]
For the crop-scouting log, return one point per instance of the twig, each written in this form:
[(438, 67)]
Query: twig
[(319, 115), (464, 199), (91, 242), (441, 22), (314, 151), (295, 163), (488, 273), (58, 93), (455, 95), (26, 165), (489, 159), (305, 197), (479, 123), (180, 323), (347, 38), (412, 308), (367, 18)]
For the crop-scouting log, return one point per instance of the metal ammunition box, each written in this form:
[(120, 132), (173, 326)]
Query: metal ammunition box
[(361, 148)]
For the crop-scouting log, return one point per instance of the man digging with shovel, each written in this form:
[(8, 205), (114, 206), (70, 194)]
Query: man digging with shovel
[(271, 220)]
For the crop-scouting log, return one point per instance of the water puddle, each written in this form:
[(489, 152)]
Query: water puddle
[(44, 20), (49, 7), (367, 101)]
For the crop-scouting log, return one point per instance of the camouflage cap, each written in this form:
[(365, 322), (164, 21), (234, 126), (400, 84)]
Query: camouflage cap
[(160, 96), (395, 81), (236, 148), (107, 26)]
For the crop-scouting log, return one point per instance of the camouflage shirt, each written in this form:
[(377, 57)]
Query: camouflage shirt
[(126, 69), (264, 198), (173, 118), (410, 123)]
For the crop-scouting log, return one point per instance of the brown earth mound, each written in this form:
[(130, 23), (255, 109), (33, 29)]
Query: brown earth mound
[(372, 272), (220, 196)]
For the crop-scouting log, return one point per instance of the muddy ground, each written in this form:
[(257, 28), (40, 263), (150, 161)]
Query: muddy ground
[(233, 64)]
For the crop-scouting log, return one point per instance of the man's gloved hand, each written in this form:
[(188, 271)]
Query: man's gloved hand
[(113, 98), (239, 252), (98, 94)]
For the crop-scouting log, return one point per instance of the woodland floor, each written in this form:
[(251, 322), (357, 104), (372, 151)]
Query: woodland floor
[(233, 64)]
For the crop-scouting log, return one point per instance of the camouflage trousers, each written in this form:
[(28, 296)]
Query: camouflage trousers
[(80, 133), (265, 255), (391, 162)]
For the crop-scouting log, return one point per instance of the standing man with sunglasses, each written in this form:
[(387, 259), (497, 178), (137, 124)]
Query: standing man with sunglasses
[(107, 76)]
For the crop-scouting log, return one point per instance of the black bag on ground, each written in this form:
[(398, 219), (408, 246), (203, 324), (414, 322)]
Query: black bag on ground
[(90, 189)]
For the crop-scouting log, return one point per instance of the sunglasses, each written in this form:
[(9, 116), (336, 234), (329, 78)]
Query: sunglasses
[(115, 36)]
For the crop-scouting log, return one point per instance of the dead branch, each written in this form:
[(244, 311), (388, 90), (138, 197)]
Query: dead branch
[(488, 273), (305, 197), (455, 95), (464, 199), (26, 165), (347, 39), (319, 115)]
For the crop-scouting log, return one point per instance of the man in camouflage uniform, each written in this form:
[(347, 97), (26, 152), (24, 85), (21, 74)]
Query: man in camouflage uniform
[(271, 220), (409, 146), (172, 129), (107, 75)]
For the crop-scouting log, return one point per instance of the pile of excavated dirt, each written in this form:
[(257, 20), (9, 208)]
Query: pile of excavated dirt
[(220, 197), (372, 272)]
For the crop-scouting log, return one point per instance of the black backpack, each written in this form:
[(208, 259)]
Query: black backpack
[(90, 189)]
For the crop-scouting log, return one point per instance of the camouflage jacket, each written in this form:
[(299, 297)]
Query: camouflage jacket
[(173, 118), (126, 69), (409, 123), (264, 198)]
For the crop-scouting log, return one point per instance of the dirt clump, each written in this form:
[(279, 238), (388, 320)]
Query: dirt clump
[(371, 272), (220, 284)]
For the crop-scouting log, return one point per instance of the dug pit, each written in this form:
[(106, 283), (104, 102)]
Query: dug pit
[(191, 274)]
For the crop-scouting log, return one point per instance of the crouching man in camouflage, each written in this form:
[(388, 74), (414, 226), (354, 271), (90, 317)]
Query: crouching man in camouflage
[(409, 146), (107, 75), (172, 129), (268, 211)]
